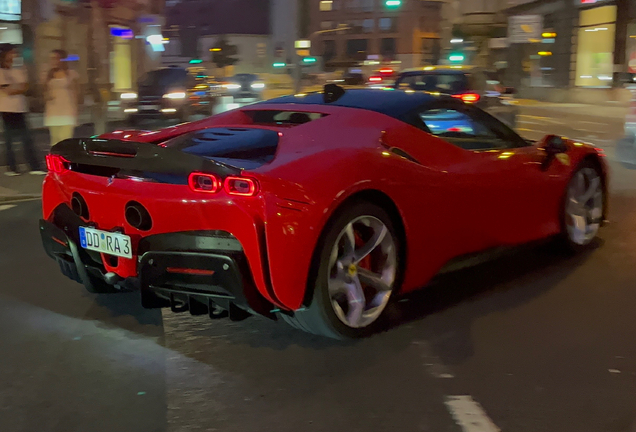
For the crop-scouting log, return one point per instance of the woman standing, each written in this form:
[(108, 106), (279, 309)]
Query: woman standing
[(13, 107), (61, 95)]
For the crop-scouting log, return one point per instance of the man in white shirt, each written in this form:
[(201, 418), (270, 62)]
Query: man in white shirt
[(13, 108)]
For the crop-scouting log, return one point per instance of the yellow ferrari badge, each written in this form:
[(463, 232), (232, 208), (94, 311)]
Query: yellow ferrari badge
[(353, 270), (563, 158)]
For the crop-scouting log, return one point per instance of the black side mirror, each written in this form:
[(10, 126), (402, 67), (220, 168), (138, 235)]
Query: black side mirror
[(510, 91), (553, 145)]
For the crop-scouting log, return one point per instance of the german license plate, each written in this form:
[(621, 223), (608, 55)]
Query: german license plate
[(106, 242)]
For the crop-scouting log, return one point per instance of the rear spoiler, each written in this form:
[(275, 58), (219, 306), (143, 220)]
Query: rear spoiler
[(128, 158)]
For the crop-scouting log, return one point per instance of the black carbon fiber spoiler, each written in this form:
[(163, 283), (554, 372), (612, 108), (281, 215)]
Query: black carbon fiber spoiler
[(133, 158)]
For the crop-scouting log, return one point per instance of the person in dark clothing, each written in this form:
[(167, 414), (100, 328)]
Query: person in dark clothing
[(13, 108)]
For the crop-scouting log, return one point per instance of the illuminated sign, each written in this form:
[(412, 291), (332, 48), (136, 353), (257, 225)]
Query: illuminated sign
[(10, 10)]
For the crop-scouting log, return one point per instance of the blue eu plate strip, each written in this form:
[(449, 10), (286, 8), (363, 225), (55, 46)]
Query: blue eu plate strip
[(82, 233)]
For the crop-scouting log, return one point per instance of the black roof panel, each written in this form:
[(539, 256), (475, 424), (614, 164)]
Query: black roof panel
[(394, 103)]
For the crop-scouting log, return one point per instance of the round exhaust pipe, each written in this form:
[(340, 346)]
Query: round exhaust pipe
[(79, 206), (137, 216)]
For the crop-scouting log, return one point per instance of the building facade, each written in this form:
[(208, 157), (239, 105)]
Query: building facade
[(405, 33), (109, 37), (581, 50), (194, 27)]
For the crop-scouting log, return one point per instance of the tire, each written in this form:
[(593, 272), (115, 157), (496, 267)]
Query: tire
[(332, 283), (582, 209)]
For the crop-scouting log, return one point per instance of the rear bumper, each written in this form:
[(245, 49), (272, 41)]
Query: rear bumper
[(201, 272)]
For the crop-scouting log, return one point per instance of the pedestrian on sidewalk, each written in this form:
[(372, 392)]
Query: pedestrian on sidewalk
[(61, 93), (13, 108)]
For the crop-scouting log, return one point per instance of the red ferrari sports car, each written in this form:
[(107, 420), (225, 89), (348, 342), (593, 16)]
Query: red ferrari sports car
[(315, 209)]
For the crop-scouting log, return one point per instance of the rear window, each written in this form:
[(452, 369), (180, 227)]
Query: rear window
[(436, 82), (282, 118), (245, 148), (164, 77)]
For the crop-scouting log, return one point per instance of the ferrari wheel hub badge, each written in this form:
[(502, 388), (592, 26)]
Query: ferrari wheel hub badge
[(353, 270)]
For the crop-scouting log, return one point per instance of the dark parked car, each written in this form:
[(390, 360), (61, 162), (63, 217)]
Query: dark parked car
[(470, 84), (168, 93)]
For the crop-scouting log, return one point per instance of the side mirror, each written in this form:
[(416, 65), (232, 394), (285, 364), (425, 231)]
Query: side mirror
[(510, 91), (553, 146)]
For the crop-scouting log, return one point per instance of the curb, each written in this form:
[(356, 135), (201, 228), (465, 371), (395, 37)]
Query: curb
[(19, 198)]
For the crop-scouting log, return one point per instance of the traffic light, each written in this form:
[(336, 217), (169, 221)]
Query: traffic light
[(456, 57), (393, 4), (196, 61), (309, 60), (279, 65)]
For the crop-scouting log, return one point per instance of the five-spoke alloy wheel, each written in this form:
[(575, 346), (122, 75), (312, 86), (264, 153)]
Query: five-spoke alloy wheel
[(357, 267), (584, 206)]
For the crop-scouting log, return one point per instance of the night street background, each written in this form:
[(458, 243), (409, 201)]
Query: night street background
[(541, 342)]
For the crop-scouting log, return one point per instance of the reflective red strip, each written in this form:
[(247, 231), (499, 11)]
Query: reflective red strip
[(190, 271), (57, 240)]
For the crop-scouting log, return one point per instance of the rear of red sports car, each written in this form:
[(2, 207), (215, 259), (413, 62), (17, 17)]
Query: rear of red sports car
[(203, 218)]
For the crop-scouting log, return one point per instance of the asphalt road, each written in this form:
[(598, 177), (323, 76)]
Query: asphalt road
[(533, 341)]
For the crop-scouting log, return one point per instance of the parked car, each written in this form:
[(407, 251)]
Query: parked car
[(168, 93), (316, 209), (470, 84)]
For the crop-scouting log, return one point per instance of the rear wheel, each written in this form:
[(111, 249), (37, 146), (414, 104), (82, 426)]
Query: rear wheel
[(357, 263), (583, 209)]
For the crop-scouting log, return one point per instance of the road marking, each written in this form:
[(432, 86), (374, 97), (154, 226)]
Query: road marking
[(6, 207), (432, 362), (469, 415)]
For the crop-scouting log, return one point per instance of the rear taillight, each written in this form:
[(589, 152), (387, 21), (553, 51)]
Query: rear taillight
[(206, 183), (56, 163), (241, 186), (468, 97)]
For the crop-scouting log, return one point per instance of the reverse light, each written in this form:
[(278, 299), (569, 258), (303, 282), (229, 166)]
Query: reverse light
[(203, 182), (258, 86), (241, 186), (56, 163), (175, 95), (128, 96), (468, 97)]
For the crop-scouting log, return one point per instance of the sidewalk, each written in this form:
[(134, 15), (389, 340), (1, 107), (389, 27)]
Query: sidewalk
[(20, 188), (613, 111)]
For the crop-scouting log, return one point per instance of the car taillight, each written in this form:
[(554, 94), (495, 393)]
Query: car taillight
[(56, 163), (202, 182), (241, 186), (468, 97)]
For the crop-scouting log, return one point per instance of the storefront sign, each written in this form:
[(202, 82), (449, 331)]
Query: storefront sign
[(525, 28), (10, 10)]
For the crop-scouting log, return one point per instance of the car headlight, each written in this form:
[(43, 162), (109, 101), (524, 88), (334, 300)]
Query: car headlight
[(128, 96), (258, 86), (232, 86), (175, 95)]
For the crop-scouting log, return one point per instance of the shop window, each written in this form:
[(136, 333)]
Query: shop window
[(387, 48), (367, 25), (326, 25), (595, 54), (329, 50), (387, 25), (357, 48), (326, 5)]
